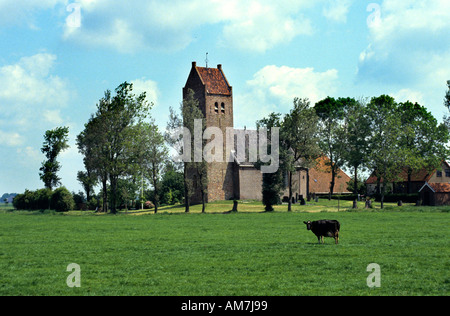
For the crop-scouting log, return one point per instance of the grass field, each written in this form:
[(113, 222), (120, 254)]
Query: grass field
[(245, 253)]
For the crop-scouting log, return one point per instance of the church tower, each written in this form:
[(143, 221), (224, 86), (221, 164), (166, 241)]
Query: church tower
[(215, 97)]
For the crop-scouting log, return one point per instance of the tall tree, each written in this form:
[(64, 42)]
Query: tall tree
[(299, 140), (55, 141), (272, 183), (152, 156), (332, 133), (357, 130), (386, 153), (88, 181), (423, 137), (195, 172), (92, 144), (110, 135)]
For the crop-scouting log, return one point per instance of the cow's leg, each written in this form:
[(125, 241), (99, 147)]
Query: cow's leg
[(336, 237), (318, 238), (321, 237)]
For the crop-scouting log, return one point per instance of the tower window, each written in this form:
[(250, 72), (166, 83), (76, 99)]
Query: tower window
[(216, 107), (223, 108)]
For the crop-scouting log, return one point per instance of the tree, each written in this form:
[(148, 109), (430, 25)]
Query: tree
[(88, 181), (299, 139), (109, 137), (92, 143), (356, 138), (152, 156), (172, 185), (195, 172), (62, 200), (386, 153), (423, 137), (55, 141), (272, 183), (332, 133)]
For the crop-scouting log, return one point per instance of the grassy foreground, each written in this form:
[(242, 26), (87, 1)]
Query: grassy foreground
[(246, 253)]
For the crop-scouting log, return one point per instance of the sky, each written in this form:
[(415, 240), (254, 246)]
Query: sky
[(58, 57)]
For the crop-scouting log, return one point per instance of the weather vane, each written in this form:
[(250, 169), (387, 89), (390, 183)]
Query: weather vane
[(206, 60)]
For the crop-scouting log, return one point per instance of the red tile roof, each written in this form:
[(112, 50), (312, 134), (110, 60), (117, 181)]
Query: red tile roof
[(320, 178), (421, 175), (215, 80)]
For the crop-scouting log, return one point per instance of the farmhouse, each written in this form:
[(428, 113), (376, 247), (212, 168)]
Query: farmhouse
[(239, 178), (417, 180)]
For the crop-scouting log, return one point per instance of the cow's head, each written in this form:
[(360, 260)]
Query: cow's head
[(308, 225)]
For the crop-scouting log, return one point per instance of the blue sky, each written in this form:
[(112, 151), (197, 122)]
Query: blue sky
[(57, 57)]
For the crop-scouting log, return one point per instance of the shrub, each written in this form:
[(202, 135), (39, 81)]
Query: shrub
[(33, 200), (92, 204), (62, 200)]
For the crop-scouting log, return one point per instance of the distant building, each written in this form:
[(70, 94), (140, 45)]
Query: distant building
[(418, 179), (240, 179), (435, 194)]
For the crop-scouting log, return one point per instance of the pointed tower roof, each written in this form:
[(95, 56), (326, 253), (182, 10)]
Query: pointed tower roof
[(213, 79)]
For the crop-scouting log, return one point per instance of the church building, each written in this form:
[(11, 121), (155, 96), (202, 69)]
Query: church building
[(234, 179)]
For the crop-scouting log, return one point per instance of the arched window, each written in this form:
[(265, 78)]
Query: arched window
[(223, 108), (216, 107)]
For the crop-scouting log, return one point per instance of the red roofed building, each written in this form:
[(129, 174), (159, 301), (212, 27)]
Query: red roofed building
[(418, 179)]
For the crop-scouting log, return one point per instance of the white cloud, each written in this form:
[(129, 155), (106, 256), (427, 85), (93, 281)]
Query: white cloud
[(169, 25), (337, 10), (273, 89), (14, 12), (149, 87), (11, 139), (404, 95), (29, 84), (409, 49), (31, 97), (285, 83), (29, 156), (53, 116), (259, 26)]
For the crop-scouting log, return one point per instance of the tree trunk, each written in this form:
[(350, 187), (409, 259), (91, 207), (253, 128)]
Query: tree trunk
[(290, 191), (235, 206), (186, 192), (409, 181), (113, 182), (203, 202), (105, 195), (333, 176), (355, 188), (155, 186)]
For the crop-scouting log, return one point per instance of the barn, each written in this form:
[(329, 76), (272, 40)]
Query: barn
[(435, 194)]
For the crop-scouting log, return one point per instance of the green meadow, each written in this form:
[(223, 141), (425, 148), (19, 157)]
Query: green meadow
[(245, 253)]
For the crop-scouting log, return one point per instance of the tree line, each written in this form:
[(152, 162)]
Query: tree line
[(380, 135), (127, 157)]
